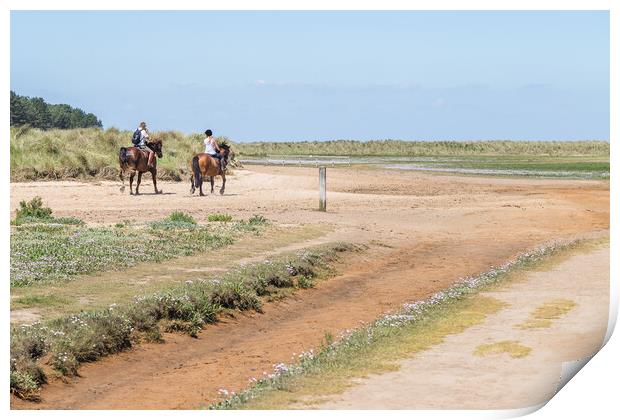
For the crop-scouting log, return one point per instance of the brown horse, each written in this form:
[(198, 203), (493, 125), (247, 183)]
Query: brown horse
[(136, 160), (206, 165)]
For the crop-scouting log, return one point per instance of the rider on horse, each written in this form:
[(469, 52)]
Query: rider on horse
[(143, 137), (213, 149)]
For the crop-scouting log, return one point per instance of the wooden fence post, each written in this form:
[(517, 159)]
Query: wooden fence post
[(322, 186)]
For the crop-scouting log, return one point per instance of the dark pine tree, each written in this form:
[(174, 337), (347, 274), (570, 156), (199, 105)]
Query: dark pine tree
[(39, 114)]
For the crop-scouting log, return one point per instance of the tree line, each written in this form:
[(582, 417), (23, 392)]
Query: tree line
[(37, 113)]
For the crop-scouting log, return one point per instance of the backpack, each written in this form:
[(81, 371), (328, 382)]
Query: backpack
[(135, 139)]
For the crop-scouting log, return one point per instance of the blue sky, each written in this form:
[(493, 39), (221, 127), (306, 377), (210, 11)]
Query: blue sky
[(324, 75)]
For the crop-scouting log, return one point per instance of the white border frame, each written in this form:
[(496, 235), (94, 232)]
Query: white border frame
[(591, 393)]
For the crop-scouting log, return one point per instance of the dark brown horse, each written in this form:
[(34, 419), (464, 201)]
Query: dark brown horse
[(136, 160), (204, 165)]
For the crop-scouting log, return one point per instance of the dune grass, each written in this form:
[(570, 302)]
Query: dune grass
[(92, 152)]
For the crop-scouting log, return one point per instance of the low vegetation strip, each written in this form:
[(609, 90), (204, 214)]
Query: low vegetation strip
[(376, 347), (93, 152), (425, 148), (47, 249), (66, 342)]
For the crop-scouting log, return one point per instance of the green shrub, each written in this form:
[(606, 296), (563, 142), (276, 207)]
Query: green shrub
[(257, 219), (23, 385), (219, 217), (33, 212), (176, 220), (28, 344), (305, 282), (236, 295), (34, 209), (88, 337), (192, 328), (179, 216)]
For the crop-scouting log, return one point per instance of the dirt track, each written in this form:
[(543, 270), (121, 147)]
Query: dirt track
[(455, 378), (438, 228)]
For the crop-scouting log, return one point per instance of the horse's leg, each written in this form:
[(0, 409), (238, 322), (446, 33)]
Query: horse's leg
[(201, 183), (138, 183), (223, 184), (131, 175), (154, 175), (212, 180), (120, 175)]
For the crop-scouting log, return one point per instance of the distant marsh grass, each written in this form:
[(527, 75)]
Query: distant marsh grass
[(425, 148)]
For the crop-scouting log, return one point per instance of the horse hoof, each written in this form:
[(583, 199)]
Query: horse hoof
[(122, 189), (221, 192)]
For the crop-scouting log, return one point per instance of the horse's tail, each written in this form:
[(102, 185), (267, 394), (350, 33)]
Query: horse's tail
[(196, 170), (122, 156)]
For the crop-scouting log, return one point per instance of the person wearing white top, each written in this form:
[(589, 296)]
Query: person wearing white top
[(213, 149)]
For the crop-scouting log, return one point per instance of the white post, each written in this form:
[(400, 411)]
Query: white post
[(322, 186)]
